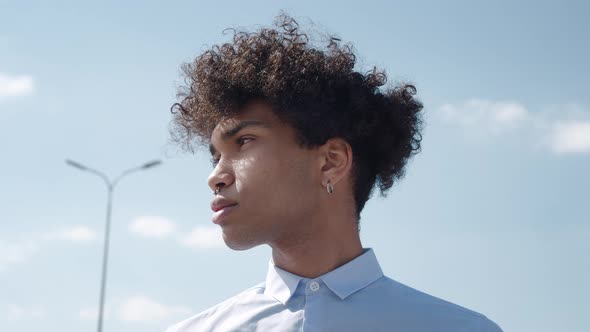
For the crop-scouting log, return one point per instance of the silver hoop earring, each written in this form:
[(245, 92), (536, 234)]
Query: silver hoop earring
[(329, 187)]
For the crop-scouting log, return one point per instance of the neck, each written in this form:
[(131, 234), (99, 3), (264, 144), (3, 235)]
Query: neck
[(329, 243)]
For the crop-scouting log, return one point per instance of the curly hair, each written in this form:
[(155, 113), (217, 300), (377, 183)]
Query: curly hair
[(316, 91)]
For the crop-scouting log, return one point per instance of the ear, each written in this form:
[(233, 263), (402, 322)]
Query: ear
[(336, 160)]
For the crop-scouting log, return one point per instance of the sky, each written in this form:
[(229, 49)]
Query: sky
[(492, 214)]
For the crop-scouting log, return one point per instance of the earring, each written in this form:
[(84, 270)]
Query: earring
[(329, 187)]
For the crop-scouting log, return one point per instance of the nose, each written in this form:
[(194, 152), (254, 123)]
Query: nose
[(220, 177)]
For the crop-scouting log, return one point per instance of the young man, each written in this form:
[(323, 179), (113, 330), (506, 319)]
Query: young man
[(299, 140)]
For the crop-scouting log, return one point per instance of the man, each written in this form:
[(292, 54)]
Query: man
[(299, 140)]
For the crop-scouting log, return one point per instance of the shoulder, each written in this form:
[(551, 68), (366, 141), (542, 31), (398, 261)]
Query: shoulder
[(206, 318), (419, 306)]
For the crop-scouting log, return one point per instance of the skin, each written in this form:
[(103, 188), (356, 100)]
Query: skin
[(280, 189)]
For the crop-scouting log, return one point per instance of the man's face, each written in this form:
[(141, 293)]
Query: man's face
[(274, 182)]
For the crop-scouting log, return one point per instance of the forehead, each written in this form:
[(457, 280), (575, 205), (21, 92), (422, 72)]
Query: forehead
[(256, 112), (257, 115)]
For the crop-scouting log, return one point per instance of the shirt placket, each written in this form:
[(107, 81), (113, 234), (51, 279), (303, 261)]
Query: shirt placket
[(314, 307)]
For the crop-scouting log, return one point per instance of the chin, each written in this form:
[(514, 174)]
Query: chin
[(239, 243)]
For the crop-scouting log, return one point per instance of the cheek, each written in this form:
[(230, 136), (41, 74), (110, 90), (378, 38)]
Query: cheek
[(254, 176), (277, 184), (302, 184)]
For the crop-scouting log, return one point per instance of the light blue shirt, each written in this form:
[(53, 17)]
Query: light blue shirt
[(354, 297)]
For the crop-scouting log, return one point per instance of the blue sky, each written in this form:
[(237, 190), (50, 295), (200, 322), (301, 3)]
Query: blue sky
[(492, 215)]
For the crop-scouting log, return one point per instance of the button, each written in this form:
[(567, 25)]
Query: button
[(314, 286)]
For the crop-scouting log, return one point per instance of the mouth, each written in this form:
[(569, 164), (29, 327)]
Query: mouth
[(220, 215)]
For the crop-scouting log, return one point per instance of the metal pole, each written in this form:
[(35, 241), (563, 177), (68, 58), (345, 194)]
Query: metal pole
[(105, 256)]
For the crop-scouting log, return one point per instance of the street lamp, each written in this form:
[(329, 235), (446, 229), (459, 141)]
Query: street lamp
[(110, 187)]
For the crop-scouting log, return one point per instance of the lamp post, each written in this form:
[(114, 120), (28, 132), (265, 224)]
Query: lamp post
[(110, 187)]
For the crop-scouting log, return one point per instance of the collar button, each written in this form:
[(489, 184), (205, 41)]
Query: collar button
[(314, 286)]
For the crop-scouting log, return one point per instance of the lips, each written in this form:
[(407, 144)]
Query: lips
[(221, 208), (220, 203)]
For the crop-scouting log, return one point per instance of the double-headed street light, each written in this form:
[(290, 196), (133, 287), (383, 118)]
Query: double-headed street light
[(110, 187)]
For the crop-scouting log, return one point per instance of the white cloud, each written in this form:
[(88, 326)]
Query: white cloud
[(88, 314), (91, 313), (143, 309), (151, 226), (203, 237), (13, 253), (571, 137), (16, 312), (73, 234), (200, 237), (12, 86), (23, 249), (493, 116), (561, 129)]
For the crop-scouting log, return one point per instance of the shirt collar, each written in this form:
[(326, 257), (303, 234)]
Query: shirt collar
[(343, 281), (280, 284)]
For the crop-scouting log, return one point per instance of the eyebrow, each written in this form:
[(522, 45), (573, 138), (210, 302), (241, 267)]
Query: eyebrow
[(236, 129)]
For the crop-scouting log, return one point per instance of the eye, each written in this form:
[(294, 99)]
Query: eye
[(240, 141), (243, 140), (214, 161)]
